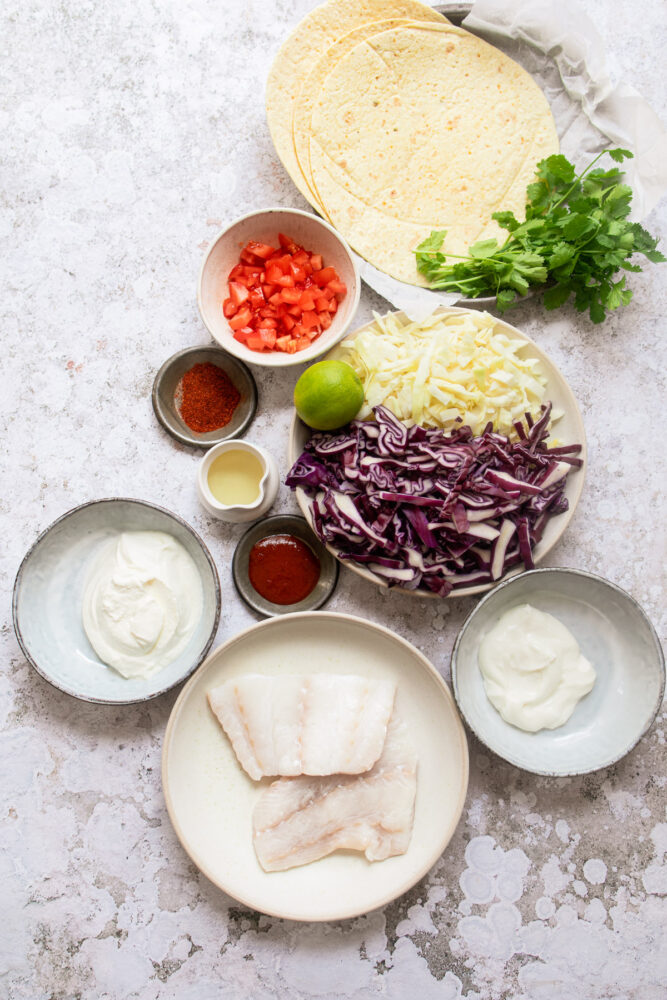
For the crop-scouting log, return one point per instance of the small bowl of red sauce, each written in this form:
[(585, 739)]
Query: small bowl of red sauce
[(202, 396), (279, 567)]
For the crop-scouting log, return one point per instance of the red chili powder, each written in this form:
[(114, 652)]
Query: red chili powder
[(208, 398), (283, 569)]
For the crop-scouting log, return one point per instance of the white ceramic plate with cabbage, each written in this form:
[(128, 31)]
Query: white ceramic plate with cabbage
[(418, 391)]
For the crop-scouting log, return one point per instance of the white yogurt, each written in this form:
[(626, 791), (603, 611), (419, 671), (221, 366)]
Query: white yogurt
[(534, 673), (142, 602)]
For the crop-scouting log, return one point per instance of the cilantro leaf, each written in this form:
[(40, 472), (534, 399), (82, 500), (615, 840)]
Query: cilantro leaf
[(483, 248), (620, 154), (432, 242)]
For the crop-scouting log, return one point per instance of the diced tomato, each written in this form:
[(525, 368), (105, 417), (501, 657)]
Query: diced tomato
[(262, 250), (249, 258), (242, 318), (255, 342), (238, 293), (324, 276), (310, 319), (280, 298), (268, 338), (307, 300), (273, 272), (291, 296), (287, 243), (298, 273)]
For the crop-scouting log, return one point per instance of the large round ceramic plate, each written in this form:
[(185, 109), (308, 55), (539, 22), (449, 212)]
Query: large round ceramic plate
[(48, 596), (569, 429), (210, 798)]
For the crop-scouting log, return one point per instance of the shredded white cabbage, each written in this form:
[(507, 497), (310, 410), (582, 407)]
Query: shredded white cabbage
[(447, 366)]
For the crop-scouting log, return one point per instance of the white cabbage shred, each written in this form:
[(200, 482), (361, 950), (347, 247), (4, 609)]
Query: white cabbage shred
[(447, 366)]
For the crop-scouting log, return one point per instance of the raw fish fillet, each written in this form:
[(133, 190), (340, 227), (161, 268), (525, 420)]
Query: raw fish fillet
[(304, 723), (298, 820)]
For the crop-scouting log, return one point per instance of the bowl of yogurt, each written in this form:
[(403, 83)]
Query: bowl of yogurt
[(117, 601), (558, 671)]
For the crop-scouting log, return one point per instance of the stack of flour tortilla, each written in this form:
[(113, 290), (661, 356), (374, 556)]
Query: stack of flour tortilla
[(393, 123)]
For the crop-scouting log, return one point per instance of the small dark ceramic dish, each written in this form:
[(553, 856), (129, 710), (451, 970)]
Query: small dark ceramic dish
[(283, 524), (165, 391)]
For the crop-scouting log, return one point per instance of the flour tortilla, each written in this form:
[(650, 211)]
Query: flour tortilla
[(309, 94), (419, 127), (314, 35)]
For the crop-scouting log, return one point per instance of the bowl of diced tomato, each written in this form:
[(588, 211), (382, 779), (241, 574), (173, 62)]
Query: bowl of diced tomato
[(278, 287)]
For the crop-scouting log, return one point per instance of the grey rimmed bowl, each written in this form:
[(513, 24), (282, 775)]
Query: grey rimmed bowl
[(165, 389), (283, 524), (48, 593), (612, 631)]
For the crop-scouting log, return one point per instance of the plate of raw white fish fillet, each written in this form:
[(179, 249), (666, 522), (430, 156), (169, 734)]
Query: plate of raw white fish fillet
[(315, 766)]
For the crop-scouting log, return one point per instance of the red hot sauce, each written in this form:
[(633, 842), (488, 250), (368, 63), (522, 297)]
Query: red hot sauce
[(283, 569)]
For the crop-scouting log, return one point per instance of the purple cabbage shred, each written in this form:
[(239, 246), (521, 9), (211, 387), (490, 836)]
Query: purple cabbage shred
[(424, 510)]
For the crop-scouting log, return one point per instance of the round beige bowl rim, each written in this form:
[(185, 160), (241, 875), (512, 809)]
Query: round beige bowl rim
[(430, 669), (279, 359), (563, 519)]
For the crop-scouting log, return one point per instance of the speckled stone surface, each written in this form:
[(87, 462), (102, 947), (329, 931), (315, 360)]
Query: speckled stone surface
[(130, 133)]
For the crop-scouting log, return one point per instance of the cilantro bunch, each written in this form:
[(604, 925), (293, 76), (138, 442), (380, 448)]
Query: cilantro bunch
[(575, 239)]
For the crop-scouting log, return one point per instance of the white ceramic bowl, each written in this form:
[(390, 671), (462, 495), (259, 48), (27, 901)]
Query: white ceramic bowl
[(613, 633), (48, 595), (305, 229), (210, 798), (268, 486), (569, 430)]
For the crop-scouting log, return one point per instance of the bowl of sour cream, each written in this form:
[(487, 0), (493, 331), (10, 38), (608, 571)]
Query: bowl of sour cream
[(558, 671), (117, 601)]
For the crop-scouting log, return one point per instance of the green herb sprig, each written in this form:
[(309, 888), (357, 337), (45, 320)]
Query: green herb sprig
[(575, 239)]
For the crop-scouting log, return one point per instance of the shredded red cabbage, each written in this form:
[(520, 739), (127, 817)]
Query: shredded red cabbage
[(433, 511)]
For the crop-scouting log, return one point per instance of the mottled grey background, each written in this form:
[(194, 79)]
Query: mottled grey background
[(131, 132)]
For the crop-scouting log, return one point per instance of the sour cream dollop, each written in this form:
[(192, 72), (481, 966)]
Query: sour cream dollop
[(534, 673), (142, 602)]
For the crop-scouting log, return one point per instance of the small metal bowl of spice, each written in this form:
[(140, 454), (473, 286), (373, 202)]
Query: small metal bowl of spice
[(280, 566), (202, 396)]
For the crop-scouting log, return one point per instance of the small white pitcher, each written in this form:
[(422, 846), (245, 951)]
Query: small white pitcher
[(268, 484)]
